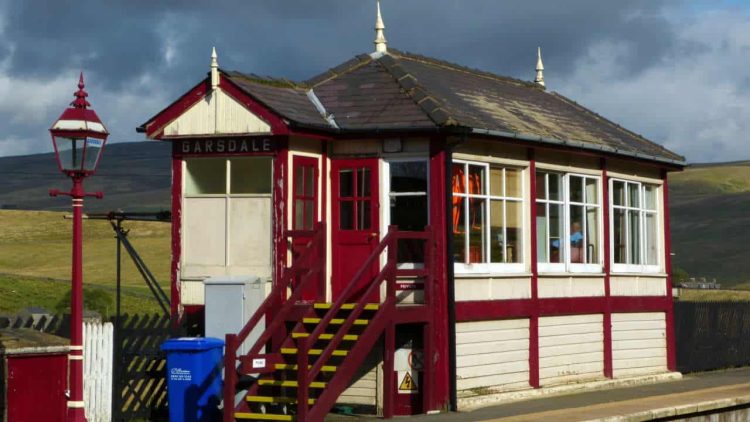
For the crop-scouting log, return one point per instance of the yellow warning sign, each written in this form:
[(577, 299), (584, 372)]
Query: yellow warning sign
[(408, 383)]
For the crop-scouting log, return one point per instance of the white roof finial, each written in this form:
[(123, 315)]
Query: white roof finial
[(380, 42), (539, 80), (214, 69)]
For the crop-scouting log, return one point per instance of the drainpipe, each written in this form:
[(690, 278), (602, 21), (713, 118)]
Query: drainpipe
[(453, 394)]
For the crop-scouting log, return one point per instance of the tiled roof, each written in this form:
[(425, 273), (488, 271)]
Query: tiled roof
[(403, 91)]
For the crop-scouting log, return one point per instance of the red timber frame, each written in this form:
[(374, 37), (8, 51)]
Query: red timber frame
[(536, 307)]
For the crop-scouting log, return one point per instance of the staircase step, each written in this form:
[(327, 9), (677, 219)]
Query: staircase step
[(326, 336), (290, 383), (263, 416), (277, 400), (290, 367), (347, 306), (335, 321), (312, 352)]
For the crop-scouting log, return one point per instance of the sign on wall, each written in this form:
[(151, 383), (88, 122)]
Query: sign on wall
[(407, 363), (225, 145)]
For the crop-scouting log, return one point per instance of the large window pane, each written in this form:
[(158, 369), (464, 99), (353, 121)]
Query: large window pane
[(542, 231), (541, 185), (591, 191), (634, 195), (251, 175), (649, 197), (476, 232), (496, 181), (651, 240), (458, 179), (575, 188), (513, 183), (555, 186), (634, 237), (618, 193), (576, 235), (459, 230), (476, 180), (409, 176), (555, 233), (497, 232), (206, 176), (620, 230), (513, 231), (592, 235)]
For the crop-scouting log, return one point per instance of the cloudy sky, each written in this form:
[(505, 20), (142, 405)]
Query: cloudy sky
[(677, 72)]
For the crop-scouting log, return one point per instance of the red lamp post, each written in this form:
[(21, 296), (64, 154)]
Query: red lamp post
[(78, 137)]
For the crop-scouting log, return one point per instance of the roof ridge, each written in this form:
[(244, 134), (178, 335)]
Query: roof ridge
[(457, 67), (267, 80), (350, 65), (421, 97), (610, 123)]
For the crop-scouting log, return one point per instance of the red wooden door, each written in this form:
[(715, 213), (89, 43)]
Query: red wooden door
[(355, 227), (305, 214), (36, 387)]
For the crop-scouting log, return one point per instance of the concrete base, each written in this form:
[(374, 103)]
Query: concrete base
[(469, 403)]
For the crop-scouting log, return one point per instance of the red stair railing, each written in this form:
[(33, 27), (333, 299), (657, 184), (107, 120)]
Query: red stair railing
[(381, 321), (309, 265)]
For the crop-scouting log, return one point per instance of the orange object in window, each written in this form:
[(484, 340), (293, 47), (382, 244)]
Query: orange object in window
[(457, 181)]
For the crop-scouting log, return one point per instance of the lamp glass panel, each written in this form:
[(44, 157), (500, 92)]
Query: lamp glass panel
[(93, 150), (69, 152)]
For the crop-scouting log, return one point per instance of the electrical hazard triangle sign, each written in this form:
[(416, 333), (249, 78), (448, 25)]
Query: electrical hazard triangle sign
[(408, 383)]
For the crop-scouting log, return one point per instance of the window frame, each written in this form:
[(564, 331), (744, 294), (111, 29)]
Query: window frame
[(642, 211), (464, 268), (566, 266)]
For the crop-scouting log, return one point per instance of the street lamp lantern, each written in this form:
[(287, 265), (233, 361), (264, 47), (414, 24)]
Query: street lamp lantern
[(78, 137)]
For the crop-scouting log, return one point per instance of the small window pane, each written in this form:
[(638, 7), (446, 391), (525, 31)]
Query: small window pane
[(410, 176), (634, 233), (592, 196), (476, 230), (476, 180), (592, 235), (309, 214), (541, 191), (346, 183), (651, 247), (363, 182), (555, 187), (459, 230), (576, 188), (513, 231), (555, 233), (576, 235), (299, 214), (541, 233), (618, 193), (634, 195), (458, 179), (363, 215), (346, 215), (251, 175), (650, 197), (309, 175), (496, 181), (620, 227), (497, 233), (513, 183), (206, 176)]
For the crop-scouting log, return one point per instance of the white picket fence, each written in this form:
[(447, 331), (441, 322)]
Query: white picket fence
[(98, 340)]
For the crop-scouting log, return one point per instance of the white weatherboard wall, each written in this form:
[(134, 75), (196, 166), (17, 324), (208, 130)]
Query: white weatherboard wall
[(216, 113), (639, 343), (492, 355), (571, 348), (98, 355), (364, 389)]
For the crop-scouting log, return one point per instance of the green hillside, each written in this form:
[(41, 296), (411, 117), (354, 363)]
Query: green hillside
[(710, 221)]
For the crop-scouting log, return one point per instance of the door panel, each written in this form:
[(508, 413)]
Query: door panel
[(356, 225), (305, 215)]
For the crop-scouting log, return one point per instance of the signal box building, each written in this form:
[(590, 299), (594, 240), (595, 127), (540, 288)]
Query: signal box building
[(431, 235)]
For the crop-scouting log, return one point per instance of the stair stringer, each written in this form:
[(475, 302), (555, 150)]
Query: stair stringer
[(352, 362)]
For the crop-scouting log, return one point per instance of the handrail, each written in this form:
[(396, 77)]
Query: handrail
[(233, 341), (388, 274)]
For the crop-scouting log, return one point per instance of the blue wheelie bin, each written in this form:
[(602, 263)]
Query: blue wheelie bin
[(194, 378)]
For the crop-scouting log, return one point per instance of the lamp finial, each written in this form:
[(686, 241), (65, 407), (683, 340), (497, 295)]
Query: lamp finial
[(81, 94)]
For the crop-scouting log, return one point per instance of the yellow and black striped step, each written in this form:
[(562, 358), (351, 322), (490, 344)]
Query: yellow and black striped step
[(347, 306), (291, 367), (290, 383), (335, 321), (262, 416), (312, 352), (326, 336), (277, 400)]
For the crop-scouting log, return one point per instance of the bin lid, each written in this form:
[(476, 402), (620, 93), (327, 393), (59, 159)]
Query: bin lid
[(192, 343)]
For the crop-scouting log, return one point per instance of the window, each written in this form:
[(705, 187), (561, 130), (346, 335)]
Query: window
[(304, 193), (567, 222), (634, 226), (246, 175), (487, 217), (355, 201), (408, 205)]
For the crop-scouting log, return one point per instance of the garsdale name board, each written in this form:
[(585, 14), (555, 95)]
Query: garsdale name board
[(228, 145)]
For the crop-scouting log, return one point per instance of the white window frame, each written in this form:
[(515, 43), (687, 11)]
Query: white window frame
[(460, 268), (642, 212), (385, 200), (566, 266)]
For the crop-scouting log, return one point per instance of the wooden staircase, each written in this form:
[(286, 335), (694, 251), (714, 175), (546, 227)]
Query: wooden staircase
[(309, 352)]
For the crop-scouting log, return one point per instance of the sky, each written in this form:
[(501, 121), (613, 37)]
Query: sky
[(676, 72)]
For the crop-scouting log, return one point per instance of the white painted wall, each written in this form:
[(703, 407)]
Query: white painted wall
[(571, 349), (216, 113), (492, 356), (570, 286), (364, 390), (637, 286), (98, 358), (639, 343), (499, 288)]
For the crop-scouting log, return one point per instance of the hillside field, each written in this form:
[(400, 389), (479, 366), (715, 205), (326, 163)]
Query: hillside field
[(35, 260)]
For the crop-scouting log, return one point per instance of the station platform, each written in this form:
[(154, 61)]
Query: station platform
[(692, 396)]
